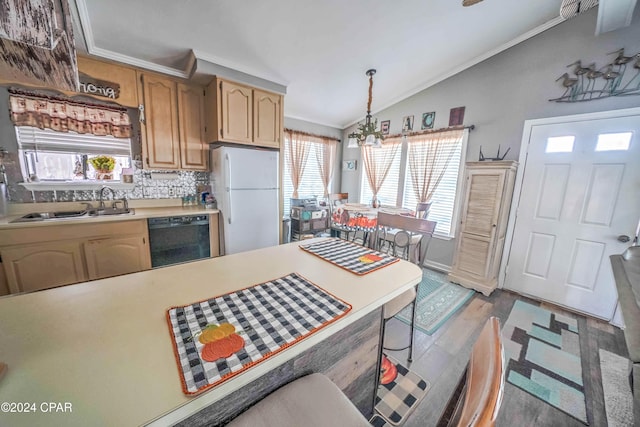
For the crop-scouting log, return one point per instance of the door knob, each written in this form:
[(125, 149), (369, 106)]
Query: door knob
[(623, 238)]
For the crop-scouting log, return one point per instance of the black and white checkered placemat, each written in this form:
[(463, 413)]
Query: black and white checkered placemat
[(350, 256), (396, 400), (269, 317)]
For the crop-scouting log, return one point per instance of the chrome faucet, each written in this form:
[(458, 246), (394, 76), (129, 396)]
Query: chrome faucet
[(101, 202)]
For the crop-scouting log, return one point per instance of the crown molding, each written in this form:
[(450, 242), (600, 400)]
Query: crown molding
[(529, 34), (306, 119)]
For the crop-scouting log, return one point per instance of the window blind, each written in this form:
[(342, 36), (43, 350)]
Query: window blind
[(444, 198), (34, 139), (311, 183)]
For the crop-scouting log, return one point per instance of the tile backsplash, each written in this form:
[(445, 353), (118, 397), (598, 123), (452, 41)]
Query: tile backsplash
[(182, 183)]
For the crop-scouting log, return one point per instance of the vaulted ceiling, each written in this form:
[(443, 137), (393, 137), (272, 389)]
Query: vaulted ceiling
[(319, 50)]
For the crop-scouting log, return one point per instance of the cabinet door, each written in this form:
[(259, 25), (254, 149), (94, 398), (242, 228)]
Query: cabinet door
[(482, 205), (115, 256), (267, 118), (236, 112), (44, 265), (160, 130), (194, 151)]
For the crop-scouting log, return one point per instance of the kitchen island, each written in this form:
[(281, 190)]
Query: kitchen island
[(105, 347)]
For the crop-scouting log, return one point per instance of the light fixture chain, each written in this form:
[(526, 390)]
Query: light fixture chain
[(370, 91)]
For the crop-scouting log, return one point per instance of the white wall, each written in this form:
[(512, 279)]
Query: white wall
[(503, 91)]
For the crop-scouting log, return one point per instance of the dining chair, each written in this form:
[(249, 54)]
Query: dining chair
[(335, 200), (411, 237), (478, 396)]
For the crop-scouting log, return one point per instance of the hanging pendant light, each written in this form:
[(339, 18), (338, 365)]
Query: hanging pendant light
[(367, 133)]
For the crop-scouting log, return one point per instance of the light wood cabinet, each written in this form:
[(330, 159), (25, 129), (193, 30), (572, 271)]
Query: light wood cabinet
[(267, 118), (172, 116), (244, 115), (36, 258), (483, 224), (45, 265), (159, 117), (109, 257), (97, 78), (194, 151)]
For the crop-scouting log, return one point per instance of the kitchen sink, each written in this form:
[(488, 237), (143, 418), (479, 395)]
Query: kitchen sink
[(48, 216)]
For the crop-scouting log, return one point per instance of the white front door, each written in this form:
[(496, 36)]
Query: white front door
[(580, 191)]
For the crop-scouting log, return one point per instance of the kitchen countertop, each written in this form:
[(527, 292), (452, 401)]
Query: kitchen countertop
[(105, 346), (139, 213)]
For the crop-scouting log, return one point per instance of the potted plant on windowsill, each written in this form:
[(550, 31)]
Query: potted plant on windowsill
[(104, 166)]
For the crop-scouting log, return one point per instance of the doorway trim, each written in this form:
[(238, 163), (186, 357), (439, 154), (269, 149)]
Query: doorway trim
[(522, 160)]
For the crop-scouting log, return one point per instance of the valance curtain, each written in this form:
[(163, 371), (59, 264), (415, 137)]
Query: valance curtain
[(377, 162), (64, 115), (298, 147), (326, 156), (429, 156)]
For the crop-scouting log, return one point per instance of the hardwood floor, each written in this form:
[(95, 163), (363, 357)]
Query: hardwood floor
[(441, 359)]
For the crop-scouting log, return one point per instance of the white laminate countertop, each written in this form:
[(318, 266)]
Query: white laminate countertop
[(105, 346), (138, 213)]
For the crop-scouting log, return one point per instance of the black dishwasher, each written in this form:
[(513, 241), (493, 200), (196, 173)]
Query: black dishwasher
[(178, 239)]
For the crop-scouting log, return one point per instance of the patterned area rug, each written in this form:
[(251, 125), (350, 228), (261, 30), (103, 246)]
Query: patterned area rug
[(438, 300), (397, 399), (618, 400), (543, 353)]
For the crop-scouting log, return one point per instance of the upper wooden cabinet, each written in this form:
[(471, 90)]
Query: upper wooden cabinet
[(194, 151), (172, 116), (108, 81), (267, 118), (242, 114)]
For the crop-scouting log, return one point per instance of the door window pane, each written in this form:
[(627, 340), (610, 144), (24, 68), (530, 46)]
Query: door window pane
[(613, 141), (560, 144)]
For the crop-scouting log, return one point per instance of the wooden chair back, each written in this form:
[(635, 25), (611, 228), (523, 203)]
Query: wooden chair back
[(409, 224), (483, 383), (343, 197)]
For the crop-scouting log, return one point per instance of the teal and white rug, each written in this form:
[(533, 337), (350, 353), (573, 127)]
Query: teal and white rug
[(542, 350), (438, 300)]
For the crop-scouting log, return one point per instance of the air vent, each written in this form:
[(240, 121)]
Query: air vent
[(571, 8)]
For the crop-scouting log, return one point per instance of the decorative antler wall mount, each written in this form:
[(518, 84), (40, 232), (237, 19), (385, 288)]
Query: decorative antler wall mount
[(589, 83)]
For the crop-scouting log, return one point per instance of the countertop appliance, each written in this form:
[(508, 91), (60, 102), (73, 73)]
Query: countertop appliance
[(245, 183), (177, 239)]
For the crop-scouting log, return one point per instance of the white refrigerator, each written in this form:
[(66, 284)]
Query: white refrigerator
[(245, 184)]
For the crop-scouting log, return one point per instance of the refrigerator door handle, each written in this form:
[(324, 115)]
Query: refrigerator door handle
[(227, 180)]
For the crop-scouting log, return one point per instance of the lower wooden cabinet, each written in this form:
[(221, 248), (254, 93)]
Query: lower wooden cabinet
[(115, 256), (38, 258), (45, 265)]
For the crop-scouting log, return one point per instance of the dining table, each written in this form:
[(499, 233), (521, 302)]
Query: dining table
[(108, 352), (349, 219)]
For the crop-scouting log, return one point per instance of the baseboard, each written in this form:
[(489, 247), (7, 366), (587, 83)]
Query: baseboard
[(437, 266)]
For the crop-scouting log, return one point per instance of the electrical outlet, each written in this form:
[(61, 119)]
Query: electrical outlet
[(172, 192)]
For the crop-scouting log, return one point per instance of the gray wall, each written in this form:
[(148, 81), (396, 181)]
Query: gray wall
[(502, 92)]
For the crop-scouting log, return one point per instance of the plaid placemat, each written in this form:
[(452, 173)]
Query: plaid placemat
[(268, 317), (350, 256), (396, 400)]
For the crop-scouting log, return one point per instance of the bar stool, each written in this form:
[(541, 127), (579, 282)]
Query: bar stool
[(413, 251)]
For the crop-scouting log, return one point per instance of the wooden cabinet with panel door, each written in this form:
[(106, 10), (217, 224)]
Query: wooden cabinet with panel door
[(36, 258), (172, 116), (483, 224), (44, 265), (244, 115), (107, 257)]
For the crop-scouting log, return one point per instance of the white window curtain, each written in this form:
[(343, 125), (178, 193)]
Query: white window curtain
[(298, 147), (378, 162), (429, 158)]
